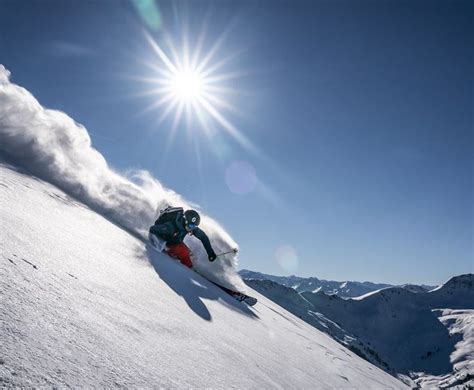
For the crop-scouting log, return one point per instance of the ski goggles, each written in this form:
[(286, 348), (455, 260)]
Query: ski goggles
[(191, 226)]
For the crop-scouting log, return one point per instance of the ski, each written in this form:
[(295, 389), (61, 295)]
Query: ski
[(241, 297)]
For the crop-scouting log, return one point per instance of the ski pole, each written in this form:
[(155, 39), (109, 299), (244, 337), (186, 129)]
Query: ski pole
[(234, 251)]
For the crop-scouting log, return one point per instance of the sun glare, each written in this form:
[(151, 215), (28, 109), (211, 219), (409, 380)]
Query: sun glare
[(187, 85), (193, 86)]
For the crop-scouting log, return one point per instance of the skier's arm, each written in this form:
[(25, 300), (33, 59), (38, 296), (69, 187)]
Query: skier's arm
[(205, 241)]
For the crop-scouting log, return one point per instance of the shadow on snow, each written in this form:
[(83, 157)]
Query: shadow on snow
[(193, 287)]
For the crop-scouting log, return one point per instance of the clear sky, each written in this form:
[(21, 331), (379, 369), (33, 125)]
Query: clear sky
[(356, 119)]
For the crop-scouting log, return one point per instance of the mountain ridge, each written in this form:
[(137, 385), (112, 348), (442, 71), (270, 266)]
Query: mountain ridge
[(345, 289)]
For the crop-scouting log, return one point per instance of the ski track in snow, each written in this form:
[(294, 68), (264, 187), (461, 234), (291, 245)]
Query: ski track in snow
[(84, 303)]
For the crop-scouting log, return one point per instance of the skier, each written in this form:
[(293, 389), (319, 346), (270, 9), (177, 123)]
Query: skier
[(168, 233), (171, 228)]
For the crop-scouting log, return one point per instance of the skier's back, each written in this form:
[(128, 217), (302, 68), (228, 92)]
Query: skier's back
[(172, 227)]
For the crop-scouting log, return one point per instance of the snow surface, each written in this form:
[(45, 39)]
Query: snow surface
[(85, 303)]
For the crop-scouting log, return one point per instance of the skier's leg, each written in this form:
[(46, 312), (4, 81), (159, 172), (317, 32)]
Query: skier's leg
[(180, 252)]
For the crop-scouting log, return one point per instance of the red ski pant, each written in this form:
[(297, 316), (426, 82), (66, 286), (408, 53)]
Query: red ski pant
[(180, 252)]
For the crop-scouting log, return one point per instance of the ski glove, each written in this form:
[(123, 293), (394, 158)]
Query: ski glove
[(212, 257)]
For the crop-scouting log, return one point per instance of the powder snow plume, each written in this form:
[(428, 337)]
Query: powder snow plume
[(54, 147)]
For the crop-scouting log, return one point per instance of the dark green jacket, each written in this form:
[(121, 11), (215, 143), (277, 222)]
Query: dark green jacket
[(173, 232)]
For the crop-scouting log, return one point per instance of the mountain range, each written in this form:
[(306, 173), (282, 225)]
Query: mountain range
[(345, 289), (425, 338)]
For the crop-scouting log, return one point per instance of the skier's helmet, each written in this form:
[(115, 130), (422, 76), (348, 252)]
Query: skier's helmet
[(192, 218)]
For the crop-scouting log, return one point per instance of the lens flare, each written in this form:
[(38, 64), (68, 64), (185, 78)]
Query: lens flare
[(241, 177), (287, 258)]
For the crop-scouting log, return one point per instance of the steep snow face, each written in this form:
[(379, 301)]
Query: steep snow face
[(84, 303)]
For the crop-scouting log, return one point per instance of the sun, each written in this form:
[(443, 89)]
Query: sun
[(188, 85), (193, 88), (191, 85)]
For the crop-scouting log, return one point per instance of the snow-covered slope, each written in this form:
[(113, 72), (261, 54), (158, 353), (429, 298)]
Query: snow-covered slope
[(84, 303), (401, 331), (460, 324)]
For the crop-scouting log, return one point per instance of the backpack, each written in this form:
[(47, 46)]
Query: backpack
[(169, 214)]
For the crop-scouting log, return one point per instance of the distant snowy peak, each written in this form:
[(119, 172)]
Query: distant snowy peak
[(456, 293), (462, 282), (346, 289)]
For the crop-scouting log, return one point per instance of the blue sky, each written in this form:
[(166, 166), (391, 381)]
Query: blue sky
[(361, 113)]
